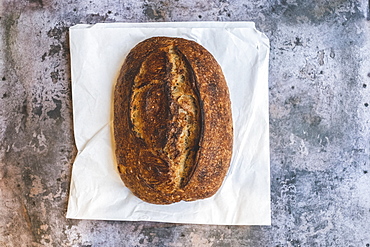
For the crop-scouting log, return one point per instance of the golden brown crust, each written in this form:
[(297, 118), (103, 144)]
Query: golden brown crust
[(172, 121)]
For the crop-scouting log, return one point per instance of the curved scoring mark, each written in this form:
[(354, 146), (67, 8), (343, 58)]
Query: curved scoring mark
[(186, 116), (196, 131), (149, 110)]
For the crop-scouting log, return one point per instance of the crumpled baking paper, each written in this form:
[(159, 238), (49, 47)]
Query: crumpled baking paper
[(97, 192)]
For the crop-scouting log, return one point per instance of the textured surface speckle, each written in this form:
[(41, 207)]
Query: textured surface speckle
[(319, 90)]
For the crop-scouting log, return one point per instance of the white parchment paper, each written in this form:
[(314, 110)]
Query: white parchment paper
[(97, 192)]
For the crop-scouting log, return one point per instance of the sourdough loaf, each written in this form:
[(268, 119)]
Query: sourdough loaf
[(172, 121)]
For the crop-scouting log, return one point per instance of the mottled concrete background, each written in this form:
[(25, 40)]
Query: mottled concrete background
[(319, 89)]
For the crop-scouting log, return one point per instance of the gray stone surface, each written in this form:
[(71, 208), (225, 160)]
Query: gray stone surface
[(319, 89)]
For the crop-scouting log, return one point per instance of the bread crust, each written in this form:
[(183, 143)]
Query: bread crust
[(172, 122)]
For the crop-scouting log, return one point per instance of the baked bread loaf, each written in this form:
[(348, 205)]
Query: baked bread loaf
[(172, 123)]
